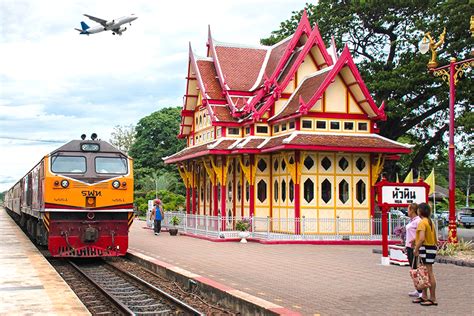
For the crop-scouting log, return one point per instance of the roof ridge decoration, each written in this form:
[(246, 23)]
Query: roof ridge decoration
[(271, 85), (345, 59), (317, 73), (192, 62)]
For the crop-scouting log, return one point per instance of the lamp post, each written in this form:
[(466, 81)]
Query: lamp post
[(449, 73)]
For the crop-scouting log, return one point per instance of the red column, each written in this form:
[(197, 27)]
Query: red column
[(252, 190), (214, 191), (452, 164), (297, 195), (385, 259), (194, 189), (188, 200), (223, 194)]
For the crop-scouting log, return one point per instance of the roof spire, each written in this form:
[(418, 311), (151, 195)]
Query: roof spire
[(334, 48), (305, 20)]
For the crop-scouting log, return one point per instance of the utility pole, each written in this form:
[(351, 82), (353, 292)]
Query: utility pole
[(468, 189)]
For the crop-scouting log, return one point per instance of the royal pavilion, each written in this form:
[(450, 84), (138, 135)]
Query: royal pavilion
[(281, 132)]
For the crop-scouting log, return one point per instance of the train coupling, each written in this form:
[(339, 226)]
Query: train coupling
[(91, 234)]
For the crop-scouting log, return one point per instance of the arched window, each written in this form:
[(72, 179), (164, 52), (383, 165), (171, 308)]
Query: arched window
[(275, 191), (308, 190), (291, 190), (262, 190), (326, 190), (360, 191), (283, 190), (343, 191), (247, 191)]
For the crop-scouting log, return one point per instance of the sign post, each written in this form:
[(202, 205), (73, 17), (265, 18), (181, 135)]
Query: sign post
[(392, 194)]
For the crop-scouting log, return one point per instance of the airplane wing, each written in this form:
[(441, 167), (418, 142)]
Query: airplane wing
[(100, 21)]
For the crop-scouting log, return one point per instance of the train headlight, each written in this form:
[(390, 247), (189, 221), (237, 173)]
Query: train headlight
[(116, 184), (64, 183)]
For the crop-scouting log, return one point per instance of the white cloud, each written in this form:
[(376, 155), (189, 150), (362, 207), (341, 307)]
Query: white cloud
[(57, 84)]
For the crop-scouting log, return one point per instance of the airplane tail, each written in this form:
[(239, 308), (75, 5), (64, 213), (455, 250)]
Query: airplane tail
[(84, 26), (84, 29)]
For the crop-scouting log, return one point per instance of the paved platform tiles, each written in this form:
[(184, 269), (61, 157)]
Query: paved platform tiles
[(310, 279), (29, 285)]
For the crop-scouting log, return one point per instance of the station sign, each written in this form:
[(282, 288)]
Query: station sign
[(395, 194), (403, 194)]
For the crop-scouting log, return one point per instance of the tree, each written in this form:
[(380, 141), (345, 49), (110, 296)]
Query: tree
[(123, 137), (156, 139), (383, 37)]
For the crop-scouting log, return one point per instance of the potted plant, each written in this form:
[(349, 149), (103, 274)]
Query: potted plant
[(243, 226), (397, 252), (175, 220)]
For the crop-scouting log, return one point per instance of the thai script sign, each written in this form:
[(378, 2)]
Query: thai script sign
[(403, 194)]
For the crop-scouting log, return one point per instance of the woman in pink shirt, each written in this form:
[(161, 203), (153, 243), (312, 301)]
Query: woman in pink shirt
[(410, 240)]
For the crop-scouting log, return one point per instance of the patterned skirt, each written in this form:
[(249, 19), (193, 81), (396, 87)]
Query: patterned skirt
[(428, 254)]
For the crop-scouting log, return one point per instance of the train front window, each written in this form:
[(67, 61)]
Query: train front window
[(115, 165), (68, 164)]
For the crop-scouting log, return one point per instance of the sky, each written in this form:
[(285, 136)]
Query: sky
[(56, 84)]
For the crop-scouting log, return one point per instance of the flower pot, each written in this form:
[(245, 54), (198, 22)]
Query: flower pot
[(397, 256), (173, 231), (243, 237)]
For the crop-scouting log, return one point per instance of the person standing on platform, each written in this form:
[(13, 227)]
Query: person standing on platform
[(158, 210), (426, 247), (410, 229)]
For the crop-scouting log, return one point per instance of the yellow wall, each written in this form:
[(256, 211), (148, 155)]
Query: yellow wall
[(336, 96), (306, 68)]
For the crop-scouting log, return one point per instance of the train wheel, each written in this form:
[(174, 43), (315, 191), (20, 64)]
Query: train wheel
[(41, 235)]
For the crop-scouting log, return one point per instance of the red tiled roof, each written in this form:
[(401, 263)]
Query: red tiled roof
[(188, 151), (240, 66), (239, 102), (291, 62), (222, 113), (306, 90), (369, 143), (209, 79), (275, 56), (304, 141)]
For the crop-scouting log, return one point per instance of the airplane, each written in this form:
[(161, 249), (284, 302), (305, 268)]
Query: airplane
[(114, 25)]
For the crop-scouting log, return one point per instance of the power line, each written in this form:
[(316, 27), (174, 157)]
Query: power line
[(34, 140)]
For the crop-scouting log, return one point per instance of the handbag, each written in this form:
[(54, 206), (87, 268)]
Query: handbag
[(420, 275)]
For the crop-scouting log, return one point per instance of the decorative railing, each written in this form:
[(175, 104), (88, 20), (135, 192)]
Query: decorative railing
[(286, 228)]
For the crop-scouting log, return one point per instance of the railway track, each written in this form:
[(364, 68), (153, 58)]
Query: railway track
[(129, 293)]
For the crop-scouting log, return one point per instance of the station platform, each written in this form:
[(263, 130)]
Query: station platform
[(306, 279), (29, 285)]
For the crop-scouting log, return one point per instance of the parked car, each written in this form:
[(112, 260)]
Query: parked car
[(467, 221), (397, 214)]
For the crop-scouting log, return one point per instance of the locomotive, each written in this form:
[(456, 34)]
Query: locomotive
[(78, 200)]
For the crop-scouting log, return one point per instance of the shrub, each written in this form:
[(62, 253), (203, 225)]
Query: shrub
[(452, 249), (242, 225), (175, 220)]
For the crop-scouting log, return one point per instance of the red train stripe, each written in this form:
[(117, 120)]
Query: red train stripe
[(69, 207)]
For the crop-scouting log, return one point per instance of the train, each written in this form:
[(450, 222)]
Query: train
[(78, 200)]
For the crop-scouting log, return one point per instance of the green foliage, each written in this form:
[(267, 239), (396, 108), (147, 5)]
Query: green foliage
[(156, 139), (242, 225), (142, 205), (383, 37), (452, 249), (172, 201), (175, 220)]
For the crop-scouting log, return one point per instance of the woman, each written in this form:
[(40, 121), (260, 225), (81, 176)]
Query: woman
[(158, 214), (425, 247), (410, 229)]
